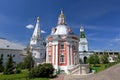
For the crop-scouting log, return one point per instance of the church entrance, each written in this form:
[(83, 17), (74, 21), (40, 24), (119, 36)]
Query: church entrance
[(85, 59)]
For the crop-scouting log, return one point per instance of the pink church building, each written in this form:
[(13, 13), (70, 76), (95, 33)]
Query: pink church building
[(62, 47)]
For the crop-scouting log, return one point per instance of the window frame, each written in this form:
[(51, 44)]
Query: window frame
[(62, 47), (62, 58)]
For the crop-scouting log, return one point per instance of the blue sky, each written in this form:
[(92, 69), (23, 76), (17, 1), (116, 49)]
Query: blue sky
[(101, 19)]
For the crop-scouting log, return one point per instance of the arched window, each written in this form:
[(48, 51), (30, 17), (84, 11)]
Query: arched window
[(62, 58), (8, 55), (13, 55), (85, 59)]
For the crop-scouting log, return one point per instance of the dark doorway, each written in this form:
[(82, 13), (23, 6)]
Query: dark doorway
[(85, 60)]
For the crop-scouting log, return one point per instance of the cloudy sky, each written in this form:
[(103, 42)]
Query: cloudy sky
[(101, 19)]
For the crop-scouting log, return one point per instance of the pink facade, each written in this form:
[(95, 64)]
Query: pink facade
[(62, 46)]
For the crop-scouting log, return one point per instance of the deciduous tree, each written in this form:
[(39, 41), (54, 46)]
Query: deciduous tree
[(104, 58), (118, 58), (93, 59)]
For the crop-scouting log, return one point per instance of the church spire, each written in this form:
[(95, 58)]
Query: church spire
[(37, 32), (61, 19), (82, 34)]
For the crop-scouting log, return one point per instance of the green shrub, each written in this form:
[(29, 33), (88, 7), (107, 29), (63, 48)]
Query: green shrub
[(44, 70), (21, 65), (17, 71), (118, 58)]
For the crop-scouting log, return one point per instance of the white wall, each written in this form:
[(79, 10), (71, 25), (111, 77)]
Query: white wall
[(17, 57)]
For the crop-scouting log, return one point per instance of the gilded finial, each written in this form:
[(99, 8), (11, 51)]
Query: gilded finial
[(61, 14), (61, 19), (38, 19), (81, 25)]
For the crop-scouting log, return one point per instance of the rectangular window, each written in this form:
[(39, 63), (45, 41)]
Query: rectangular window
[(61, 58), (61, 46)]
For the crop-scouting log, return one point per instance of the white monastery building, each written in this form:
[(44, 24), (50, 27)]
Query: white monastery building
[(8, 48), (37, 45), (62, 47)]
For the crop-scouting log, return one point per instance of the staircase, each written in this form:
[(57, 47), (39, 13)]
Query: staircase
[(79, 69)]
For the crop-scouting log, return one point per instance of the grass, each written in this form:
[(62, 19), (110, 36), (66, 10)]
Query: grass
[(21, 76), (98, 68), (101, 67)]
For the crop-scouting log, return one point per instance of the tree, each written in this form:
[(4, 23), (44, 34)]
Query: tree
[(104, 58), (28, 61), (93, 59), (9, 67), (118, 58), (1, 62)]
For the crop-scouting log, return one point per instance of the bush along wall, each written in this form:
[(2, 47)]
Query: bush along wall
[(42, 71)]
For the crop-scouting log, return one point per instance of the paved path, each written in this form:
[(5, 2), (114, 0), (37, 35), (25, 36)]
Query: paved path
[(59, 77), (112, 73)]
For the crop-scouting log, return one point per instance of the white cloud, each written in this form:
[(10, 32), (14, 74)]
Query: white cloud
[(30, 26), (42, 31), (115, 40)]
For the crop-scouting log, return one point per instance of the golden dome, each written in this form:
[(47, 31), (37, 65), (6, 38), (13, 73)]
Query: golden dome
[(61, 15)]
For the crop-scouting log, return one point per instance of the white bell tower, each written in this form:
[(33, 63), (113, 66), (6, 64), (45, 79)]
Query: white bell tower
[(37, 45), (83, 44)]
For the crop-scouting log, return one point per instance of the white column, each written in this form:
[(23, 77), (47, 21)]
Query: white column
[(47, 54), (71, 54), (53, 54), (68, 51), (57, 56)]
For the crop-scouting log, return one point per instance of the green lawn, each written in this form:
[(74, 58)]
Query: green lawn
[(21, 76), (101, 67), (98, 68)]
